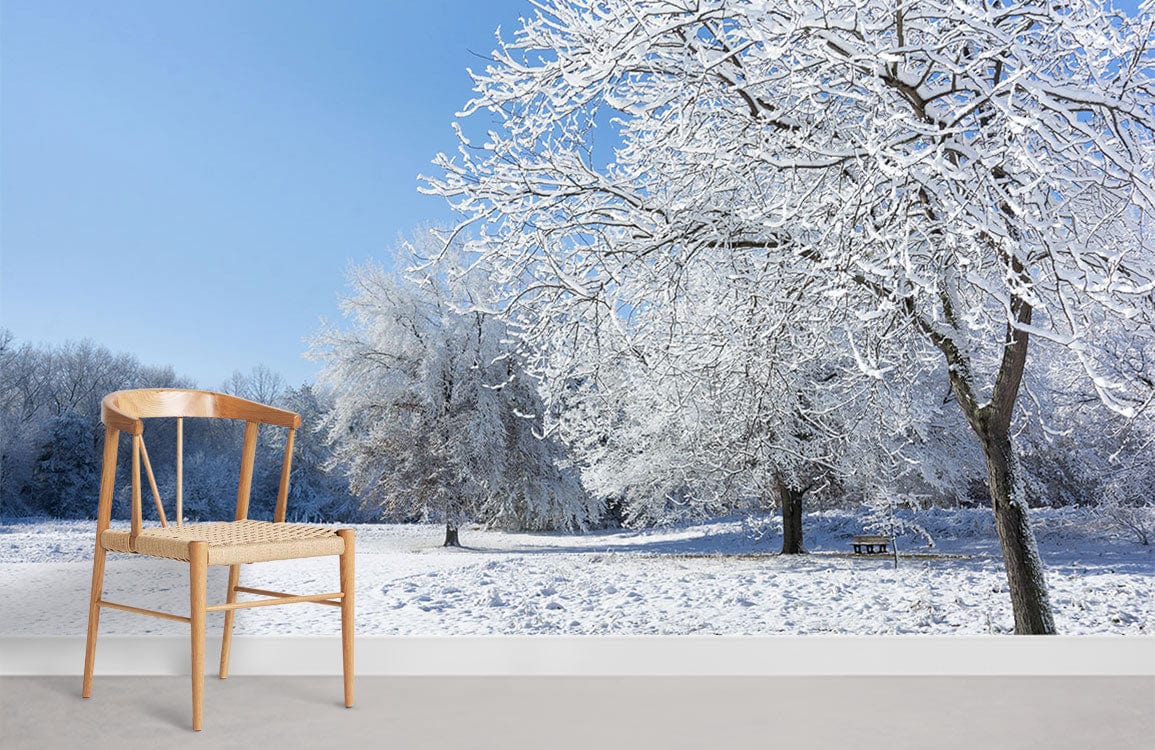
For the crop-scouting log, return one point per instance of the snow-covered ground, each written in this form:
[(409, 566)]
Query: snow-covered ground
[(718, 577)]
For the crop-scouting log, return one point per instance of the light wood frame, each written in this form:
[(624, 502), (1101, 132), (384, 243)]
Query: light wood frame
[(124, 411)]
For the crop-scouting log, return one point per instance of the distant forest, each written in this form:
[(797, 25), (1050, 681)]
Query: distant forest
[(51, 436)]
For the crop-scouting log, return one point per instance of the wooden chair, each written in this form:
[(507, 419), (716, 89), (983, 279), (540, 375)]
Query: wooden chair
[(203, 544)]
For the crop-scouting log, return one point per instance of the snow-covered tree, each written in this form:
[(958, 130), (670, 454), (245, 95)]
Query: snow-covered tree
[(1081, 456), (719, 420), (432, 416), (46, 393), (318, 490), (749, 409), (952, 180), (260, 384), (65, 477)]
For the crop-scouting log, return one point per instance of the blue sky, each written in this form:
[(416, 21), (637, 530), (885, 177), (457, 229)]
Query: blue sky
[(188, 181)]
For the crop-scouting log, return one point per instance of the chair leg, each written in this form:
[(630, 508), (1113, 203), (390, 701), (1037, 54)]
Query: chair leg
[(198, 580), (347, 613), (227, 640), (93, 617)]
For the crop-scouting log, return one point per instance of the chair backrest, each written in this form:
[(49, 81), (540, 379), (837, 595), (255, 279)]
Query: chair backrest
[(123, 411)]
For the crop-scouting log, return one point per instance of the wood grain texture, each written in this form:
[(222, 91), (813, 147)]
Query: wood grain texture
[(103, 519), (198, 584), (143, 611), (346, 569), (124, 410), (329, 598), (93, 619), (336, 602), (248, 456), (136, 523), (107, 481), (152, 483), (179, 471), (227, 636), (286, 471)]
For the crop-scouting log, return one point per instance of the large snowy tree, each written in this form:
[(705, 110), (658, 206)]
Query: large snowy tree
[(691, 409), (432, 415), (953, 179)]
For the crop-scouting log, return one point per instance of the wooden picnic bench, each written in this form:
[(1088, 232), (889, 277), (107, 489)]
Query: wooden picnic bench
[(871, 544)]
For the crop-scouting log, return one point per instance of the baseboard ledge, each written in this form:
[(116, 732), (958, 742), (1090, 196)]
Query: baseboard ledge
[(596, 655)]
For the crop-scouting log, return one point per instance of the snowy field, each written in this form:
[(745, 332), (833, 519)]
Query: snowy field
[(719, 577)]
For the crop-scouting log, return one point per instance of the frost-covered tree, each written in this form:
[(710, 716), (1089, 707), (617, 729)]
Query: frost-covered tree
[(260, 384), (50, 424), (952, 179), (749, 409), (21, 424), (318, 490), (432, 416), (48, 394), (691, 409), (65, 477), (1081, 456)]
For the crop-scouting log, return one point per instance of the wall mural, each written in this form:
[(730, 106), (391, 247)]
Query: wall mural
[(753, 324)]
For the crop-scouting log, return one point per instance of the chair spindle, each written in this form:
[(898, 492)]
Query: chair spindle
[(286, 470), (152, 483), (248, 456), (179, 471), (136, 512)]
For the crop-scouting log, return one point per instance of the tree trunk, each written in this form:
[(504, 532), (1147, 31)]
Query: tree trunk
[(790, 500), (991, 423), (1025, 576), (451, 536)]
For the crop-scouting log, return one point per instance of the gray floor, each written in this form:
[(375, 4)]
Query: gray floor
[(410, 713)]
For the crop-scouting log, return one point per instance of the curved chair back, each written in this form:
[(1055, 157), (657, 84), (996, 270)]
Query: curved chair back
[(124, 411)]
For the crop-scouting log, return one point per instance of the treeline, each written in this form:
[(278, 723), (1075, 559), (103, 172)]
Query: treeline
[(426, 412), (51, 437)]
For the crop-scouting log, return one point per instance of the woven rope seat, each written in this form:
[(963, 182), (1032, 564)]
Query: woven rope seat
[(231, 542)]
